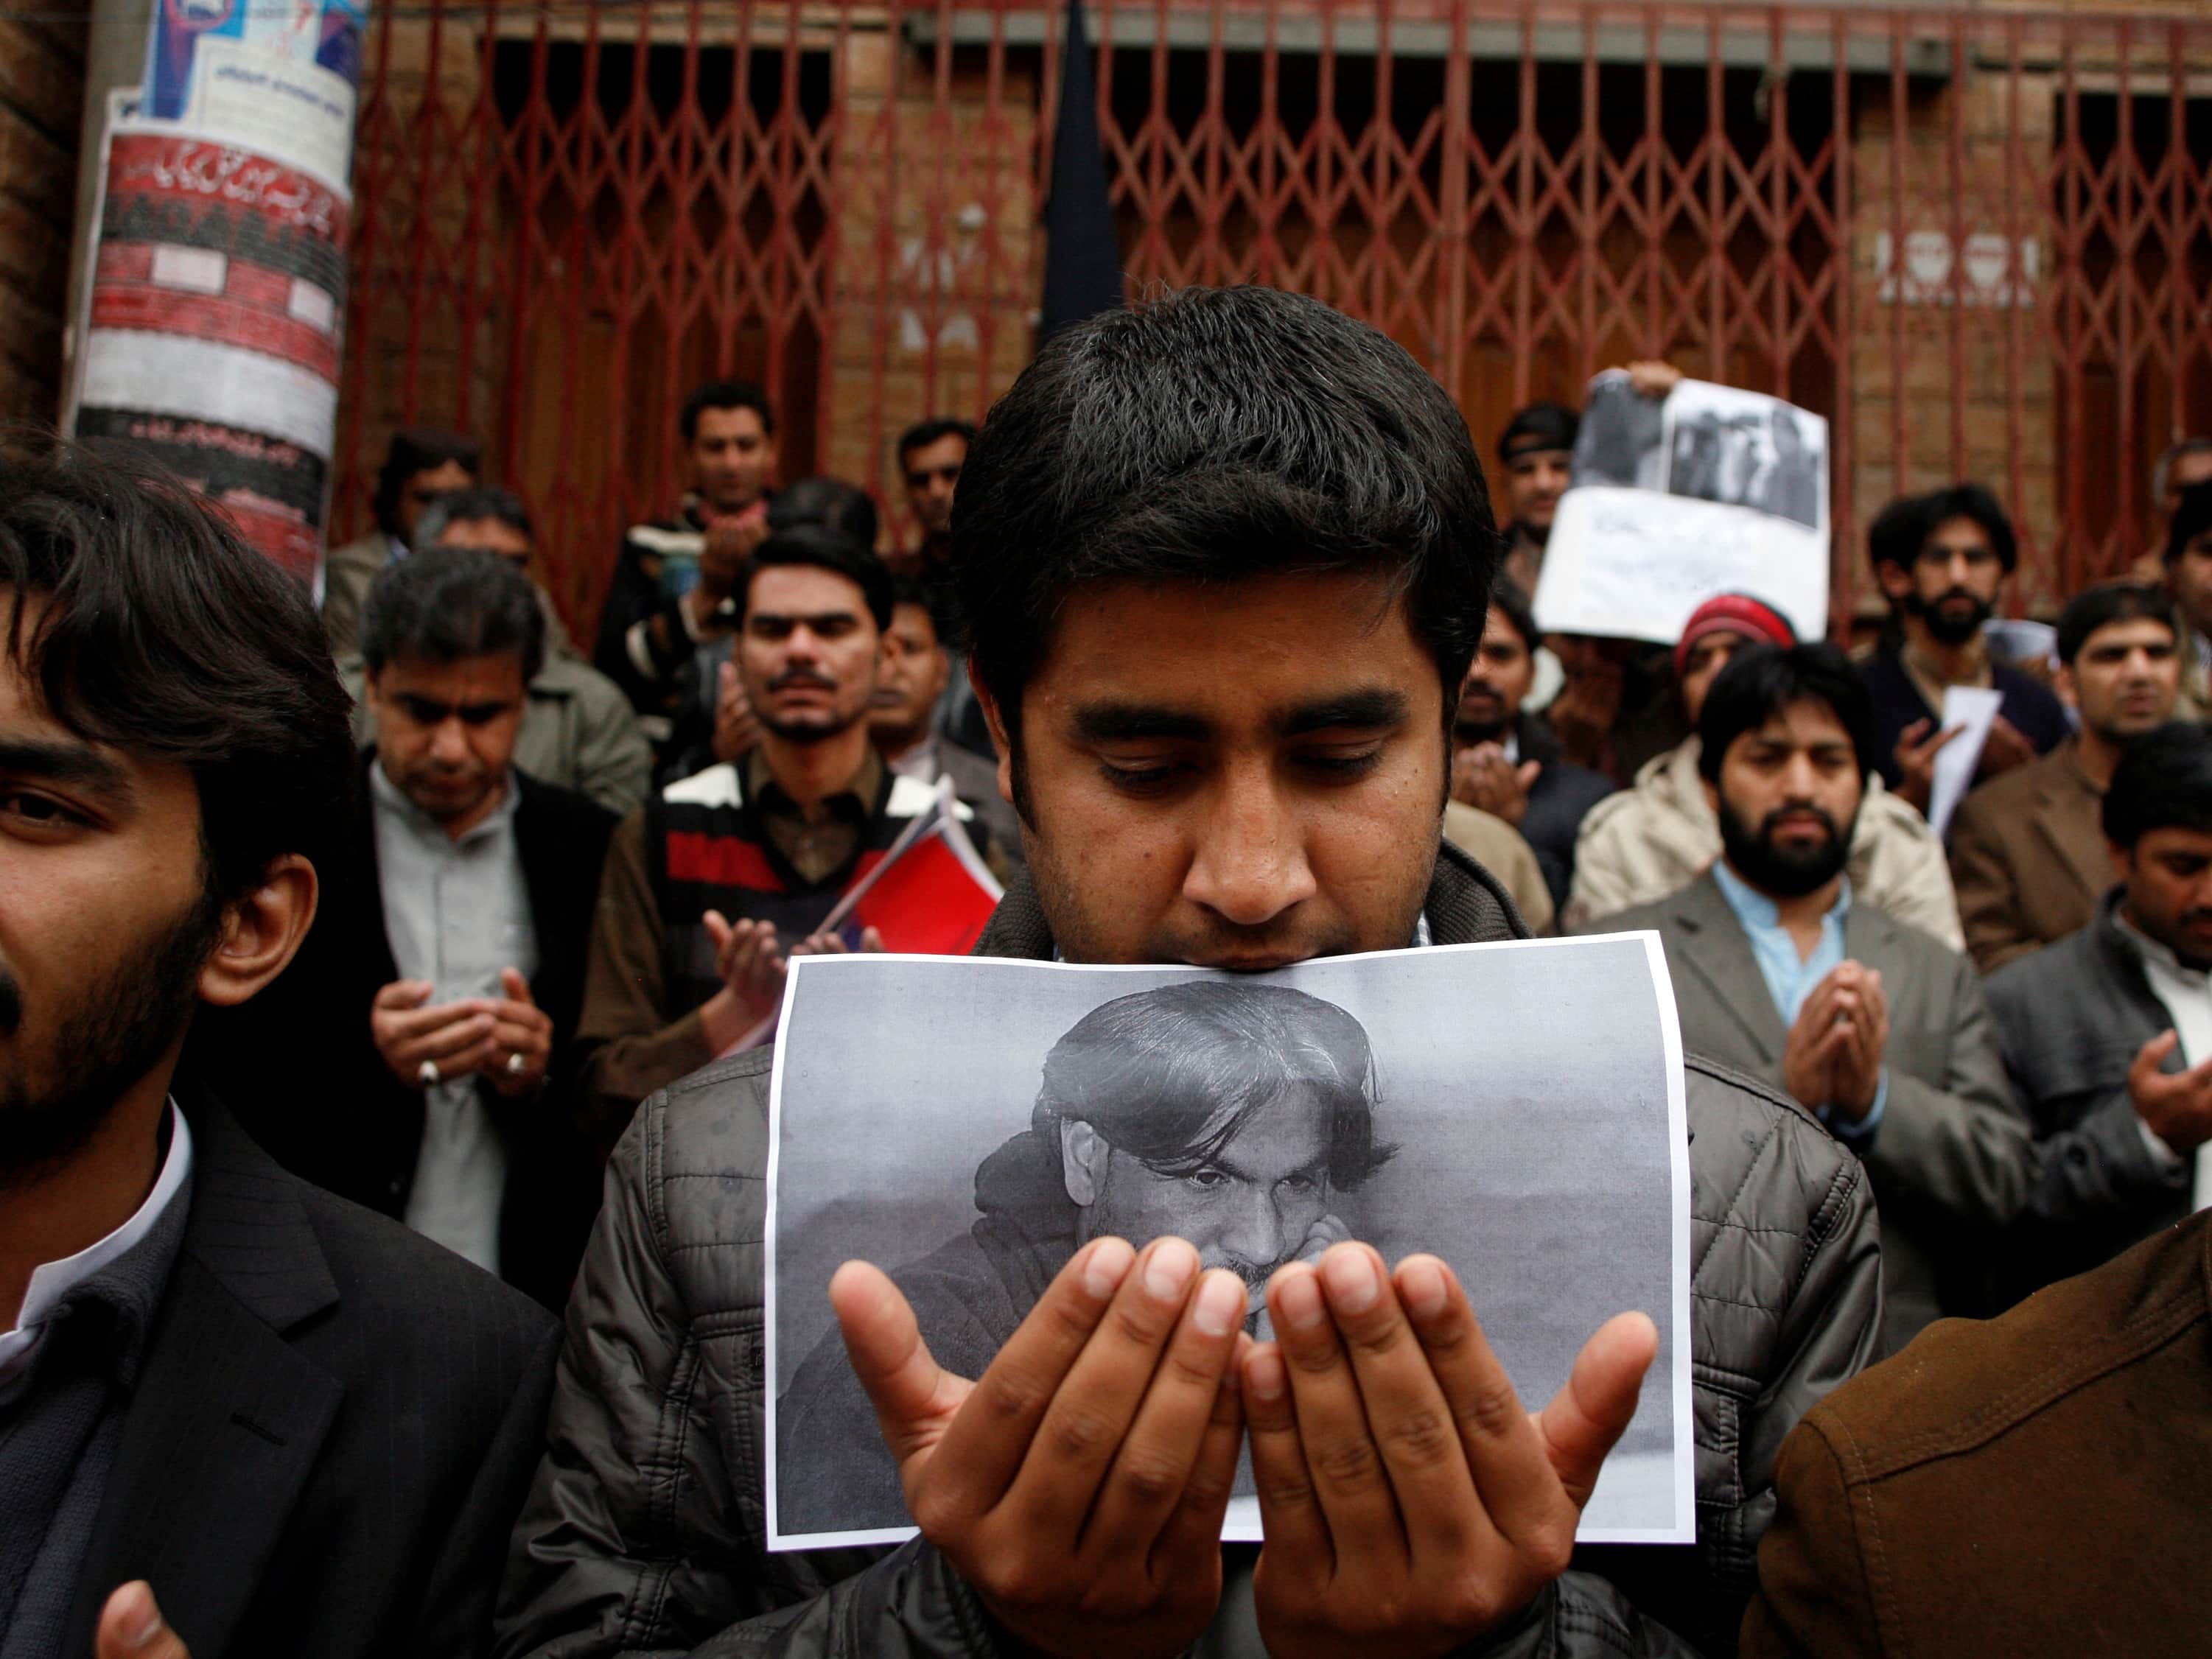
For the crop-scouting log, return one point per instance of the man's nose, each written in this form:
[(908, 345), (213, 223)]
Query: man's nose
[(449, 742), (1249, 865), (1253, 1231)]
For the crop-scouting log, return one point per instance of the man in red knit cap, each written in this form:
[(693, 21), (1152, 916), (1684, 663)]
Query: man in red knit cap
[(1657, 837)]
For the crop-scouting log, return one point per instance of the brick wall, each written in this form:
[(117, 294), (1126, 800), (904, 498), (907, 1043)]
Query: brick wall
[(41, 96)]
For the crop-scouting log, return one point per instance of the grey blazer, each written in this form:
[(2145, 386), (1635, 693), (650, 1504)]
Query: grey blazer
[(1955, 1160)]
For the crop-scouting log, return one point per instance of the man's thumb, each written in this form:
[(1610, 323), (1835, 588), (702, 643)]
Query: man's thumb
[(2151, 1057), (1591, 1412), (914, 1397), (132, 1627)]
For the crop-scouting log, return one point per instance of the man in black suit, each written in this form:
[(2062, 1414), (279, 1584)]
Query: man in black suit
[(238, 1416), (438, 991)]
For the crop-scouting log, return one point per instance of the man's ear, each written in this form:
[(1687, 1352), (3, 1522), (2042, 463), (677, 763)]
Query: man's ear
[(2067, 688), (1712, 796), (261, 933), (994, 718), (1895, 579), (2123, 862), (1082, 1162)]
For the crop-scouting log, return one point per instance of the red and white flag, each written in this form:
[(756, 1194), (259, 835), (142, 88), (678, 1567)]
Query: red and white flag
[(929, 895)]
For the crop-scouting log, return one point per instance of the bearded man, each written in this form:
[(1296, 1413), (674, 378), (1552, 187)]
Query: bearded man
[(1943, 559), (1872, 1026)]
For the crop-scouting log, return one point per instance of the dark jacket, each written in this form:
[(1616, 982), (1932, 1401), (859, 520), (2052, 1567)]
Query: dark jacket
[(969, 1298), (360, 1134), (2070, 1020), (645, 1529), (1955, 1160), (2032, 707), (2036, 1484), (1558, 800), (333, 1423), (656, 680)]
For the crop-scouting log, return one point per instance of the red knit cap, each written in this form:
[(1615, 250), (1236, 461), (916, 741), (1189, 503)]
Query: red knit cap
[(1733, 613)]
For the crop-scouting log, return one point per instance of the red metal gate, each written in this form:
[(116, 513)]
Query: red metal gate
[(1980, 243)]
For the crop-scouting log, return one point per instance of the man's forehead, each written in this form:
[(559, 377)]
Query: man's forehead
[(2128, 633), (1808, 721), (1956, 532), (1277, 640)]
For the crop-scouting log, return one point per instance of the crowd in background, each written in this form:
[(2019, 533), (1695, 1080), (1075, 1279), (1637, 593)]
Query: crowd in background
[(573, 874)]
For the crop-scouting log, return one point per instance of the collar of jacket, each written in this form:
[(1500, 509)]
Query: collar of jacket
[(229, 1416), (1466, 905), (2119, 951)]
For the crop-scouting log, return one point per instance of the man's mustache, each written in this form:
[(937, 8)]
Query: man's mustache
[(801, 676), (1772, 821), (1956, 596)]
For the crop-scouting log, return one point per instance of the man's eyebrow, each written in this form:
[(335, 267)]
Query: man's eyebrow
[(1120, 722), (1359, 711), (73, 763), (811, 618)]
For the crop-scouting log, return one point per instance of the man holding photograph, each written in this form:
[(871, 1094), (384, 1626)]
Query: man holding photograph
[(1225, 559)]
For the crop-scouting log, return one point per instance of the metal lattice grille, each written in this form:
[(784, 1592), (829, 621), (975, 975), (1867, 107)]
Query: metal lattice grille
[(1980, 243)]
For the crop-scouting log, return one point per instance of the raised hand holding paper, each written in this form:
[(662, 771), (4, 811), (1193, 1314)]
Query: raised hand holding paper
[(1970, 710)]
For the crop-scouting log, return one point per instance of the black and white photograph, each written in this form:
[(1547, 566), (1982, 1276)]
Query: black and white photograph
[(1744, 449), (1622, 441), (967, 1124)]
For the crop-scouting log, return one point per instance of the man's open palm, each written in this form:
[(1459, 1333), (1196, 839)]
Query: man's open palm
[(1079, 1485)]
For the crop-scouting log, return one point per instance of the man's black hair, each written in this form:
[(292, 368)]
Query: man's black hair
[(1510, 603), (923, 434), (166, 637), (826, 549), (1170, 1075), (2163, 782), (446, 604), (1900, 530), (1214, 435), (724, 394), (1539, 427), (469, 506), (844, 508), (2108, 602), (912, 590), (1764, 681), (2192, 517), (418, 449)]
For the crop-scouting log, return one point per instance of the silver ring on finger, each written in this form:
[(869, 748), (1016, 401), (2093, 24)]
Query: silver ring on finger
[(514, 1064), (429, 1075)]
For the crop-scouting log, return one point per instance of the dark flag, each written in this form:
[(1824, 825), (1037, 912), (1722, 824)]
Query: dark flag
[(1082, 259)]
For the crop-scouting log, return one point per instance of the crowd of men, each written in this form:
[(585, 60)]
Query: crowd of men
[(411, 908)]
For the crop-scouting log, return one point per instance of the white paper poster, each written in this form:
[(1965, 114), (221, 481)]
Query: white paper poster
[(1971, 711), (922, 1107), (1634, 564)]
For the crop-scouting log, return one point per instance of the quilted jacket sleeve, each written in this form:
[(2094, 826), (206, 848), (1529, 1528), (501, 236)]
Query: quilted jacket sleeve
[(638, 1539)]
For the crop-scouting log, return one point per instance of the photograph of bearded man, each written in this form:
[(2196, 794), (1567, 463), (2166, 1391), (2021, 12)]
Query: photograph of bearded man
[(1234, 1116)]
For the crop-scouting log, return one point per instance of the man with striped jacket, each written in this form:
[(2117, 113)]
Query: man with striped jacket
[(716, 880)]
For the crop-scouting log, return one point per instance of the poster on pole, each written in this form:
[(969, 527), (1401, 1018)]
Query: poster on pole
[(1708, 490), (212, 316)]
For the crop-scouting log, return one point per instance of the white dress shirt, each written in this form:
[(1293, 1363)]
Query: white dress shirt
[(455, 912), (2187, 993), (53, 1280)]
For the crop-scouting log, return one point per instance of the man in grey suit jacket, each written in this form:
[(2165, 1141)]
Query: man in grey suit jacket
[(1872, 1026)]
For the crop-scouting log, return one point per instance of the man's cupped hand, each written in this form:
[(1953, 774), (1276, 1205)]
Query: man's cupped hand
[(1079, 1485)]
